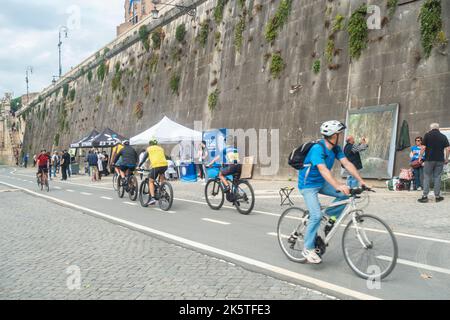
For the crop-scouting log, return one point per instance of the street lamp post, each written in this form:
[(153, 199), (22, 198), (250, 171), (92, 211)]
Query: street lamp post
[(29, 70), (192, 10), (65, 30)]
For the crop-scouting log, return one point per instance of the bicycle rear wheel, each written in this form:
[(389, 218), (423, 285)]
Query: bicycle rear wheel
[(245, 197), (291, 231), (114, 181), (165, 196), (47, 186), (133, 186), (120, 188), (370, 248), (144, 194), (214, 194)]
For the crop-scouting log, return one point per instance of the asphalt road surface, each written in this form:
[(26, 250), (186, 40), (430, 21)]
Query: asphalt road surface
[(422, 272)]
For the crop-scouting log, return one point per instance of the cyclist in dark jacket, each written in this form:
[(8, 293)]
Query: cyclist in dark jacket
[(129, 159)]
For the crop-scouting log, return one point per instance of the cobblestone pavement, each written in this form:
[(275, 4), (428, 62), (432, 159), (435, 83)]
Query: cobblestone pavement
[(42, 245)]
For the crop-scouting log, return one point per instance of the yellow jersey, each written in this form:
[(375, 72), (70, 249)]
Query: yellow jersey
[(117, 149), (156, 157)]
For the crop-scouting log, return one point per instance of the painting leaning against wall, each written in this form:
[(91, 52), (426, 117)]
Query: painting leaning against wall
[(378, 124)]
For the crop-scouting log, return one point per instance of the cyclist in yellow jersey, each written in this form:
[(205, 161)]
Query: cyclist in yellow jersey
[(119, 146), (158, 163)]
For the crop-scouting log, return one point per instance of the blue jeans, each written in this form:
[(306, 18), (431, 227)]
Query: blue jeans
[(352, 182), (418, 177), (311, 196)]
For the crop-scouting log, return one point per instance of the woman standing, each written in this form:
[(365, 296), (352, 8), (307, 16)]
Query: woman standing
[(416, 163)]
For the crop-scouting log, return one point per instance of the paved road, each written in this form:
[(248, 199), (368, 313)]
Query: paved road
[(422, 232), (44, 245)]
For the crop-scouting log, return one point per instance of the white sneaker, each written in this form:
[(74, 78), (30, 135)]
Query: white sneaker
[(311, 256)]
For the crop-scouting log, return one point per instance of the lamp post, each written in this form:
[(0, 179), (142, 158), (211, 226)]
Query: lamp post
[(192, 11), (29, 70), (65, 30)]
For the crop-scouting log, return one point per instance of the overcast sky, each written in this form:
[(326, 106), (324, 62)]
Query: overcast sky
[(29, 37)]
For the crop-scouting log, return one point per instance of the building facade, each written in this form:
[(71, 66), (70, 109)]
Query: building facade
[(135, 12)]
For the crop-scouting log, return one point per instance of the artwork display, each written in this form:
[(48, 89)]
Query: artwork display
[(378, 125)]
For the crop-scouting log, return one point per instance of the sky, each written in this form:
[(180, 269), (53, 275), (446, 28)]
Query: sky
[(29, 37)]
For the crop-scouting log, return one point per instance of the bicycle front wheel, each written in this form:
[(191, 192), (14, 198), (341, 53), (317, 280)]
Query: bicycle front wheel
[(165, 196), (291, 232), (214, 194), (370, 247), (120, 188), (245, 197)]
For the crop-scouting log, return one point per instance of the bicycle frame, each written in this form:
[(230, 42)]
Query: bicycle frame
[(350, 209)]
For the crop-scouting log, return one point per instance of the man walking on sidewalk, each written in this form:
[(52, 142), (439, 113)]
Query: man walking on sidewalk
[(436, 147), (351, 151), (65, 164)]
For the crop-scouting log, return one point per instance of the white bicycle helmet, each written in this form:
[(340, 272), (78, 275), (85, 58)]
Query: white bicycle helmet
[(332, 127)]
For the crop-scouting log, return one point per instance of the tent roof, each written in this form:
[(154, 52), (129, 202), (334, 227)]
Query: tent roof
[(166, 131), (107, 138), (78, 143)]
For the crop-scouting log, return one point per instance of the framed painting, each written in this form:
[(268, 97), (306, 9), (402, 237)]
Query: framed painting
[(378, 124)]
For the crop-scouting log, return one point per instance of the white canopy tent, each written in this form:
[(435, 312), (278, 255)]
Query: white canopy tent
[(166, 131)]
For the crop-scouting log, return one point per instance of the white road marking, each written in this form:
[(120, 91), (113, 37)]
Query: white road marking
[(69, 190), (107, 198), (225, 254), (57, 188), (417, 265), (86, 193), (159, 209), (276, 235), (130, 203), (215, 221)]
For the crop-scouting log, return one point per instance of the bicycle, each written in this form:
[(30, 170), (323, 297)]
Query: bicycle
[(132, 185), (240, 194), (361, 246), (114, 180), (41, 182), (163, 193)]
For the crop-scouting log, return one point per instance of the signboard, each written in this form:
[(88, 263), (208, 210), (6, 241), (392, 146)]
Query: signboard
[(215, 144)]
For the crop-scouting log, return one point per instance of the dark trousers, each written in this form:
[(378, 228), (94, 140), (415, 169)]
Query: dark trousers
[(418, 177), (200, 169), (432, 171), (64, 172)]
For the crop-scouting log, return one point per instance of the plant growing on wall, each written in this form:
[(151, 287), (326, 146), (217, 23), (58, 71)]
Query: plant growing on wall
[(138, 110), (89, 76), (329, 51), (213, 99), (65, 90), (157, 37), (180, 33), (175, 83), (218, 10), (279, 20), (316, 66), (116, 81), (97, 99), (203, 33), (358, 32), (241, 3), (143, 35), (277, 65), (238, 31), (392, 7), (101, 71), (153, 63), (338, 23), (72, 95), (430, 25), (56, 139)]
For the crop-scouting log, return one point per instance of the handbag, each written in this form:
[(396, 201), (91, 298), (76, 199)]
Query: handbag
[(416, 164)]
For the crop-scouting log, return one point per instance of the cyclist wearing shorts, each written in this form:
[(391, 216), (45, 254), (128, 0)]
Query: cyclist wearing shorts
[(116, 150), (129, 158), (316, 178), (42, 162), (158, 163), (232, 165)]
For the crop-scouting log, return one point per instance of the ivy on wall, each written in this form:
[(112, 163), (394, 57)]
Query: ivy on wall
[(101, 71), (218, 10), (157, 37), (89, 76), (278, 21), (316, 66), (143, 35), (117, 79), (358, 32), (180, 32), (203, 34), (213, 99), (65, 90), (431, 26), (175, 83), (277, 65), (392, 7), (238, 31), (72, 95)]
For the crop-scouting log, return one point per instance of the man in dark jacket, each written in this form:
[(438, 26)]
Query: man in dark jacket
[(351, 151), (129, 160), (65, 161), (436, 148), (93, 165)]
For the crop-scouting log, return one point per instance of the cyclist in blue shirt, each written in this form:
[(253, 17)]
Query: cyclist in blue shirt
[(316, 178)]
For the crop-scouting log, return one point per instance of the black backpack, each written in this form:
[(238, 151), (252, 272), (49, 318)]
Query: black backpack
[(298, 155)]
